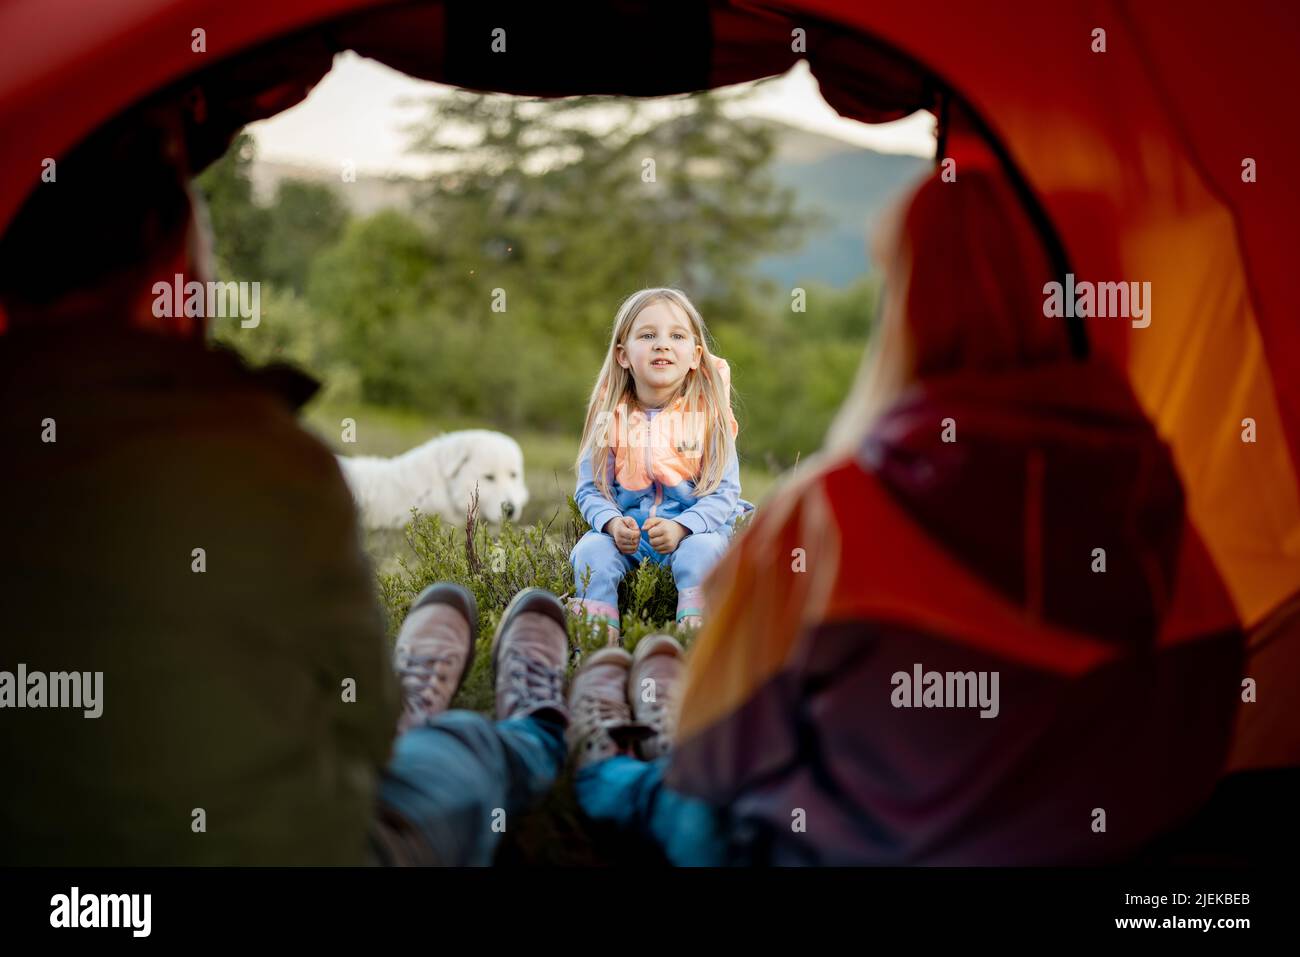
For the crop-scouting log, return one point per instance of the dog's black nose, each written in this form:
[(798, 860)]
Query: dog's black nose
[(507, 509)]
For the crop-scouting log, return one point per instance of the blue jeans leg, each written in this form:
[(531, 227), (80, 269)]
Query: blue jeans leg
[(631, 795), (691, 563), (596, 553), (461, 778)]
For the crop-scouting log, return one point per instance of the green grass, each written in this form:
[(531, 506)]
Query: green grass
[(496, 567), (548, 457), (495, 564)]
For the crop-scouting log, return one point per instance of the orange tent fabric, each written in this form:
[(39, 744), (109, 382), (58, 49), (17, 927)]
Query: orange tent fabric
[(1137, 154)]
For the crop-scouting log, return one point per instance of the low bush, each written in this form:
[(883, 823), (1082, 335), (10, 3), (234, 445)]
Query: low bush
[(496, 567)]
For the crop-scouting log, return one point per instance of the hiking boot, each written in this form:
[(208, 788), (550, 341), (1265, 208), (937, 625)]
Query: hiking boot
[(602, 724), (434, 650), (529, 652), (654, 690)]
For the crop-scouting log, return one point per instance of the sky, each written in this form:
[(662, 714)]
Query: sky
[(356, 114)]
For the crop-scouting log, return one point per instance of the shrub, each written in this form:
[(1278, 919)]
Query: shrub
[(496, 568)]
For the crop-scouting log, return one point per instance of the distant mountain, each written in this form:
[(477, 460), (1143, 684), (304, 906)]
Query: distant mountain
[(849, 185)]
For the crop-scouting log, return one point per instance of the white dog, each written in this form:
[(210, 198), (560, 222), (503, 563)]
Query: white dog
[(438, 478)]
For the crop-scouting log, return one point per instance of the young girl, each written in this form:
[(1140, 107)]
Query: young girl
[(658, 476)]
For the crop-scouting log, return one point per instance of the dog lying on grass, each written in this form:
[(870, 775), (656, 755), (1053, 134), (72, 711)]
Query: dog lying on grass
[(439, 478)]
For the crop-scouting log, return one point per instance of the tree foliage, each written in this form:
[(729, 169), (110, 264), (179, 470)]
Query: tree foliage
[(492, 297)]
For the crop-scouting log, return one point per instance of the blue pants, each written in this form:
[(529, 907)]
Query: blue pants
[(460, 779), (690, 563), (631, 795)]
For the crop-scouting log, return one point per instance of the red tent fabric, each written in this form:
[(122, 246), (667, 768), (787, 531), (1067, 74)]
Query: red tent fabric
[(1137, 153)]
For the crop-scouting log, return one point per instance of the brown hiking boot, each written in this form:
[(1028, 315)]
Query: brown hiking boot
[(434, 650), (654, 690), (529, 652), (602, 719)]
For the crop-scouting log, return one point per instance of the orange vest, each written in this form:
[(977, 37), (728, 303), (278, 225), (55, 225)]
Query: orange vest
[(666, 447)]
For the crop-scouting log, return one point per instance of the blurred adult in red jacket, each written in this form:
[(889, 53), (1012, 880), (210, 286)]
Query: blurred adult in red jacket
[(977, 628)]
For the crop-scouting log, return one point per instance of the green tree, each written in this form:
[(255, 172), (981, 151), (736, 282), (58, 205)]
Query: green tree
[(290, 332), (238, 224), (304, 219), (491, 299), (572, 219), (496, 300), (376, 287)]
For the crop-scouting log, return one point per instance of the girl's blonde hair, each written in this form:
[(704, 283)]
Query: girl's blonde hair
[(704, 389), (964, 272)]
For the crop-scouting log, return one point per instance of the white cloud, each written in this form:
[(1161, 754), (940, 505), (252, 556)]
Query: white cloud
[(356, 113)]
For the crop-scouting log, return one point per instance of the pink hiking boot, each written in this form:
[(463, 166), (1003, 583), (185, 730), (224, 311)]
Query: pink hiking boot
[(434, 651), (529, 654), (654, 690), (602, 724)]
